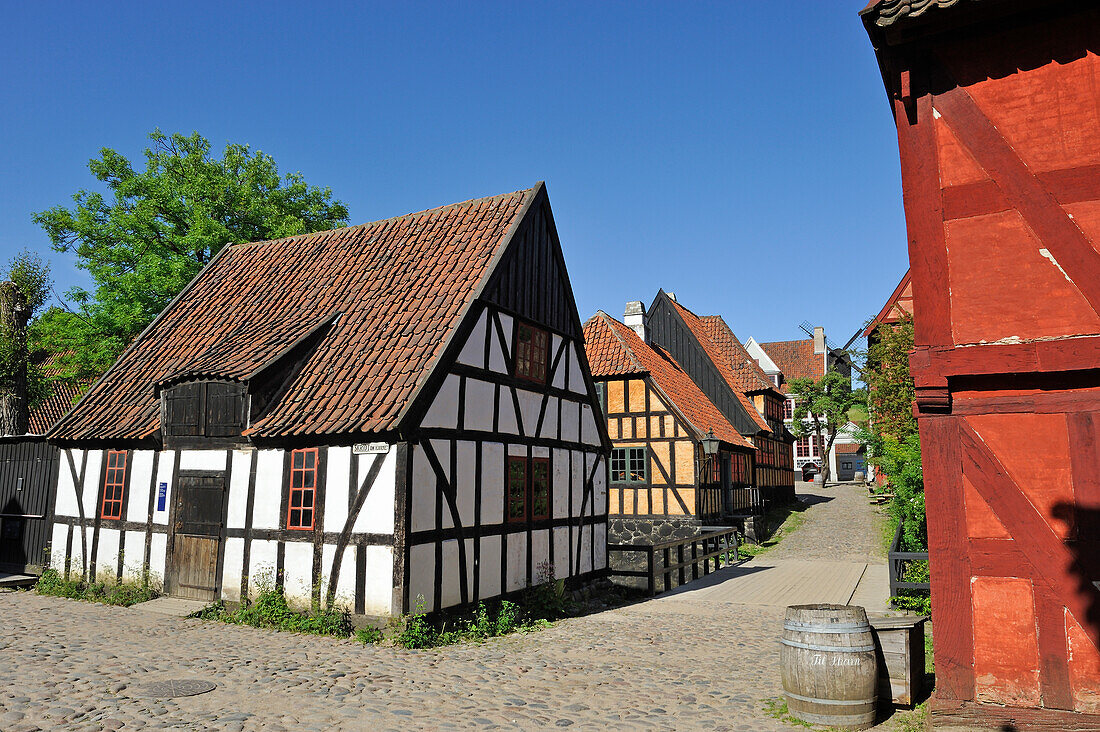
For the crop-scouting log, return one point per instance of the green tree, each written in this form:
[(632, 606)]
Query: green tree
[(23, 384), (821, 409), (151, 231), (892, 438)]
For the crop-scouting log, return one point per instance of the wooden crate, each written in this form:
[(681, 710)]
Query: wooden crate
[(899, 642)]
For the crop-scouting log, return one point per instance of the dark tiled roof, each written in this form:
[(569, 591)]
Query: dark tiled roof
[(393, 291), (796, 359), (888, 12), (724, 363), (638, 357)]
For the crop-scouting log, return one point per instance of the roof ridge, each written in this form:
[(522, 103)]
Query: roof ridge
[(619, 338), (391, 219)]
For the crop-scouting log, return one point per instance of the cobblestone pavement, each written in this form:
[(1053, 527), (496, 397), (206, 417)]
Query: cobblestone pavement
[(840, 525), (66, 664)]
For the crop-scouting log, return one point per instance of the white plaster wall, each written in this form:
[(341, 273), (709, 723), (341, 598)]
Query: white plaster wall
[(376, 516), (451, 590), (561, 552), (57, 545), (586, 549), (378, 590), (601, 545), (297, 570), (141, 473), (497, 349), (158, 549), (164, 475), (473, 350), (237, 511), (231, 569), (506, 326), (269, 490), (489, 569), (345, 584), (530, 404), (421, 576), (599, 490), (517, 561), (560, 372), (492, 487), (507, 421), (92, 479), (465, 483), (570, 414), (65, 501), (590, 434), (444, 409), (560, 483), (133, 557), (202, 460), (423, 491), (479, 405), (337, 487), (576, 376), (576, 485), (540, 555), (106, 557), (550, 420), (262, 559)]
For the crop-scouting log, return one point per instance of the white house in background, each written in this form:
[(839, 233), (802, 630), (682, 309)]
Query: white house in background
[(374, 414), (783, 361)]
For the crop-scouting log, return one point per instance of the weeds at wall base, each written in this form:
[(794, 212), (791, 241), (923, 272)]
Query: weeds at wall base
[(123, 593)]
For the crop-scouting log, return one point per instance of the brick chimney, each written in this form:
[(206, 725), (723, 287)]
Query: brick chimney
[(635, 318)]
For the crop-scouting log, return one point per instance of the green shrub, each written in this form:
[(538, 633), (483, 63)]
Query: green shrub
[(122, 593), (490, 619), (270, 610), (369, 636)]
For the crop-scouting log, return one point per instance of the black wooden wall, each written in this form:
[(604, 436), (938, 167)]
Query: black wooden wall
[(669, 331), (28, 476)]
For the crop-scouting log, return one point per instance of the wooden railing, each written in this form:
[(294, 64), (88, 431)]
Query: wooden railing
[(897, 561), (747, 501), (709, 499), (715, 548)]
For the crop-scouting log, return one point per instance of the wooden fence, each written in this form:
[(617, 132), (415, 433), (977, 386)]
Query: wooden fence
[(897, 561), (715, 548)]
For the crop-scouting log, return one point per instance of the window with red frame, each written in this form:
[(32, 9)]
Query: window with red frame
[(540, 488), (516, 508), (788, 408), (301, 506), (531, 352), (114, 484), (803, 446)]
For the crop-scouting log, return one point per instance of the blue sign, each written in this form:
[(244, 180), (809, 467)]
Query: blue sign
[(162, 494)]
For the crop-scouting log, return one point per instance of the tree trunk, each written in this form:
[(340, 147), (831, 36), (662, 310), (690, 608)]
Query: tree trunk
[(14, 315)]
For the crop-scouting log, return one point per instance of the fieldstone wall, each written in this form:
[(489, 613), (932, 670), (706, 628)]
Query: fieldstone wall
[(629, 530)]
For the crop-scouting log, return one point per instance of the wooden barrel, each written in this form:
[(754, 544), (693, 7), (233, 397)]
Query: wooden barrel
[(828, 664)]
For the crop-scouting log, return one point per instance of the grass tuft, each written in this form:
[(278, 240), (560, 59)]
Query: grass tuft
[(122, 593)]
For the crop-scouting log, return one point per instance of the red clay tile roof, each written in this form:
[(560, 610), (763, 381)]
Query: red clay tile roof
[(848, 448), (747, 372), (634, 356), (796, 359), (724, 364), (54, 407), (899, 304), (396, 288)]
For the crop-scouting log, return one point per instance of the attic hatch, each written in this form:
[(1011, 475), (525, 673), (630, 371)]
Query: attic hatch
[(214, 398)]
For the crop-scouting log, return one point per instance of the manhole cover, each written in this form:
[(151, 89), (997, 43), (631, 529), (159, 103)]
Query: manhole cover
[(175, 687)]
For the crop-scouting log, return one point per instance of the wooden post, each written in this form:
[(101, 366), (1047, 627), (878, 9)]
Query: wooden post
[(666, 555), (694, 559), (652, 571)]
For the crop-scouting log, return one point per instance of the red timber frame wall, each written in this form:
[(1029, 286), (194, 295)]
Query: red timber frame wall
[(998, 118)]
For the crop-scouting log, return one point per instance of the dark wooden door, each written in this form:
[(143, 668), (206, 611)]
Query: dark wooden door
[(197, 526), (28, 469)]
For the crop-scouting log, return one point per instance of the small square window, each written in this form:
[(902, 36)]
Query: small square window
[(628, 465), (531, 352)]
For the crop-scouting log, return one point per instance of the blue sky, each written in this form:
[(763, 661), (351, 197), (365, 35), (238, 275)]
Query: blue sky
[(740, 154)]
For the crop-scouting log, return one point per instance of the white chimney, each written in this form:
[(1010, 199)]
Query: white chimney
[(819, 340), (636, 319), (671, 296)]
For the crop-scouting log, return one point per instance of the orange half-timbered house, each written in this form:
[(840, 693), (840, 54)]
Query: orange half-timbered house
[(661, 483)]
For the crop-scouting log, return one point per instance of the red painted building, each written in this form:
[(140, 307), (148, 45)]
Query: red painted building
[(997, 105)]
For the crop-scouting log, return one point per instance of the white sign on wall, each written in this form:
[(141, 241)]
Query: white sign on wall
[(370, 448)]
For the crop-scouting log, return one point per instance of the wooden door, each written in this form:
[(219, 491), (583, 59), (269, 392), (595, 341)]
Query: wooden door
[(197, 526)]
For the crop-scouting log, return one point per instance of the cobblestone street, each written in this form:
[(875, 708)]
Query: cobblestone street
[(671, 663)]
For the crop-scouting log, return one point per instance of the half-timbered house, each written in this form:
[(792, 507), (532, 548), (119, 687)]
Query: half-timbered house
[(662, 484), (995, 105), (377, 417), (718, 363)]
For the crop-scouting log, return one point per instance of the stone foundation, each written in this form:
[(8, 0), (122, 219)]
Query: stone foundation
[(621, 530)]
